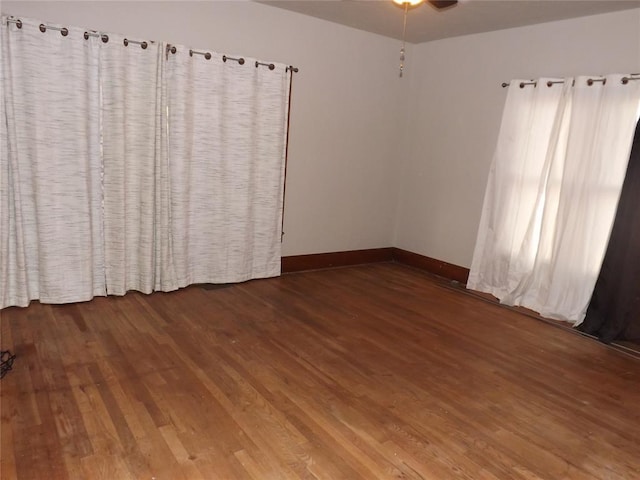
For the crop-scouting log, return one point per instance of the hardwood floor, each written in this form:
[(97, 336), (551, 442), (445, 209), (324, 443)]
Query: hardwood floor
[(365, 372)]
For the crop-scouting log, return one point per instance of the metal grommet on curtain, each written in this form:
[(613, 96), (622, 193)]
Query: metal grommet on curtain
[(532, 82), (239, 60), (271, 66), (126, 42), (104, 37), (172, 49), (206, 55), (64, 31), (591, 81), (19, 23)]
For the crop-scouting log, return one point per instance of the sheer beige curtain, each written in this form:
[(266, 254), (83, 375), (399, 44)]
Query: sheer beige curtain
[(552, 193)]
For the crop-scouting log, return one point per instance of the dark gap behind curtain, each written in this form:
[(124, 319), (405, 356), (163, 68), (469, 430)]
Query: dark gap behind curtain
[(614, 310)]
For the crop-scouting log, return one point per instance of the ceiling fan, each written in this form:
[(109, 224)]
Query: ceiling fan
[(443, 3), (439, 4)]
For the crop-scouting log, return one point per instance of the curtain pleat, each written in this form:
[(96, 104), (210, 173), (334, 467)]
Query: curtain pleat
[(130, 78), (226, 145), (52, 238)]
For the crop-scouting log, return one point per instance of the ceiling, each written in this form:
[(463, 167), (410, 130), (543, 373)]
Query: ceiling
[(425, 23)]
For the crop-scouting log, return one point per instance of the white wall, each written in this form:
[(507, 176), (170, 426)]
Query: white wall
[(347, 109), (456, 105)]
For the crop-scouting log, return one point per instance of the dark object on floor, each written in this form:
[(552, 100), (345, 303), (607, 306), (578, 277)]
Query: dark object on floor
[(6, 362)]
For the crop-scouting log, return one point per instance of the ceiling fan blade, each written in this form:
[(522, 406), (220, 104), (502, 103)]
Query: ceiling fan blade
[(443, 3)]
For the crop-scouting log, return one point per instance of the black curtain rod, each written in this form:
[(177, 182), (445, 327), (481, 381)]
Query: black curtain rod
[(590, 81), (170, 48)]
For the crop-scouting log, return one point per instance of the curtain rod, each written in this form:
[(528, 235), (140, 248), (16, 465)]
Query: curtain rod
[(170, 48), (590, 81)]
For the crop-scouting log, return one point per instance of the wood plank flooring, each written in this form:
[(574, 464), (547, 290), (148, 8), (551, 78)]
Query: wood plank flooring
[(365, 372)]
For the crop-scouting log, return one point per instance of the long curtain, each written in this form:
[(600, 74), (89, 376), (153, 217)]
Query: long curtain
[(227, 125), (129, 166), (134, 163), (530, 119), (614, 310), (552, 193), (51, 236)]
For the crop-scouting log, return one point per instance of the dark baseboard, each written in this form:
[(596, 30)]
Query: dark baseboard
[(431, 265), (316, 261)]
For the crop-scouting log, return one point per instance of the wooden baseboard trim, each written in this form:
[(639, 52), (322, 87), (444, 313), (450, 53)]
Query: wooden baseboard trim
[(316, 261), (431, 265)]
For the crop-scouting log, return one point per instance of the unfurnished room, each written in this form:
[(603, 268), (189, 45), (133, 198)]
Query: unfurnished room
[(341, 239)]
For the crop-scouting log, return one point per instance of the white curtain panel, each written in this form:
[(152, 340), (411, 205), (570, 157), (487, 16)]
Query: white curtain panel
[(552, 193), (227, 127), (135, 163), (51, 238), (128, 168), (511, 198), (575, 232)]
